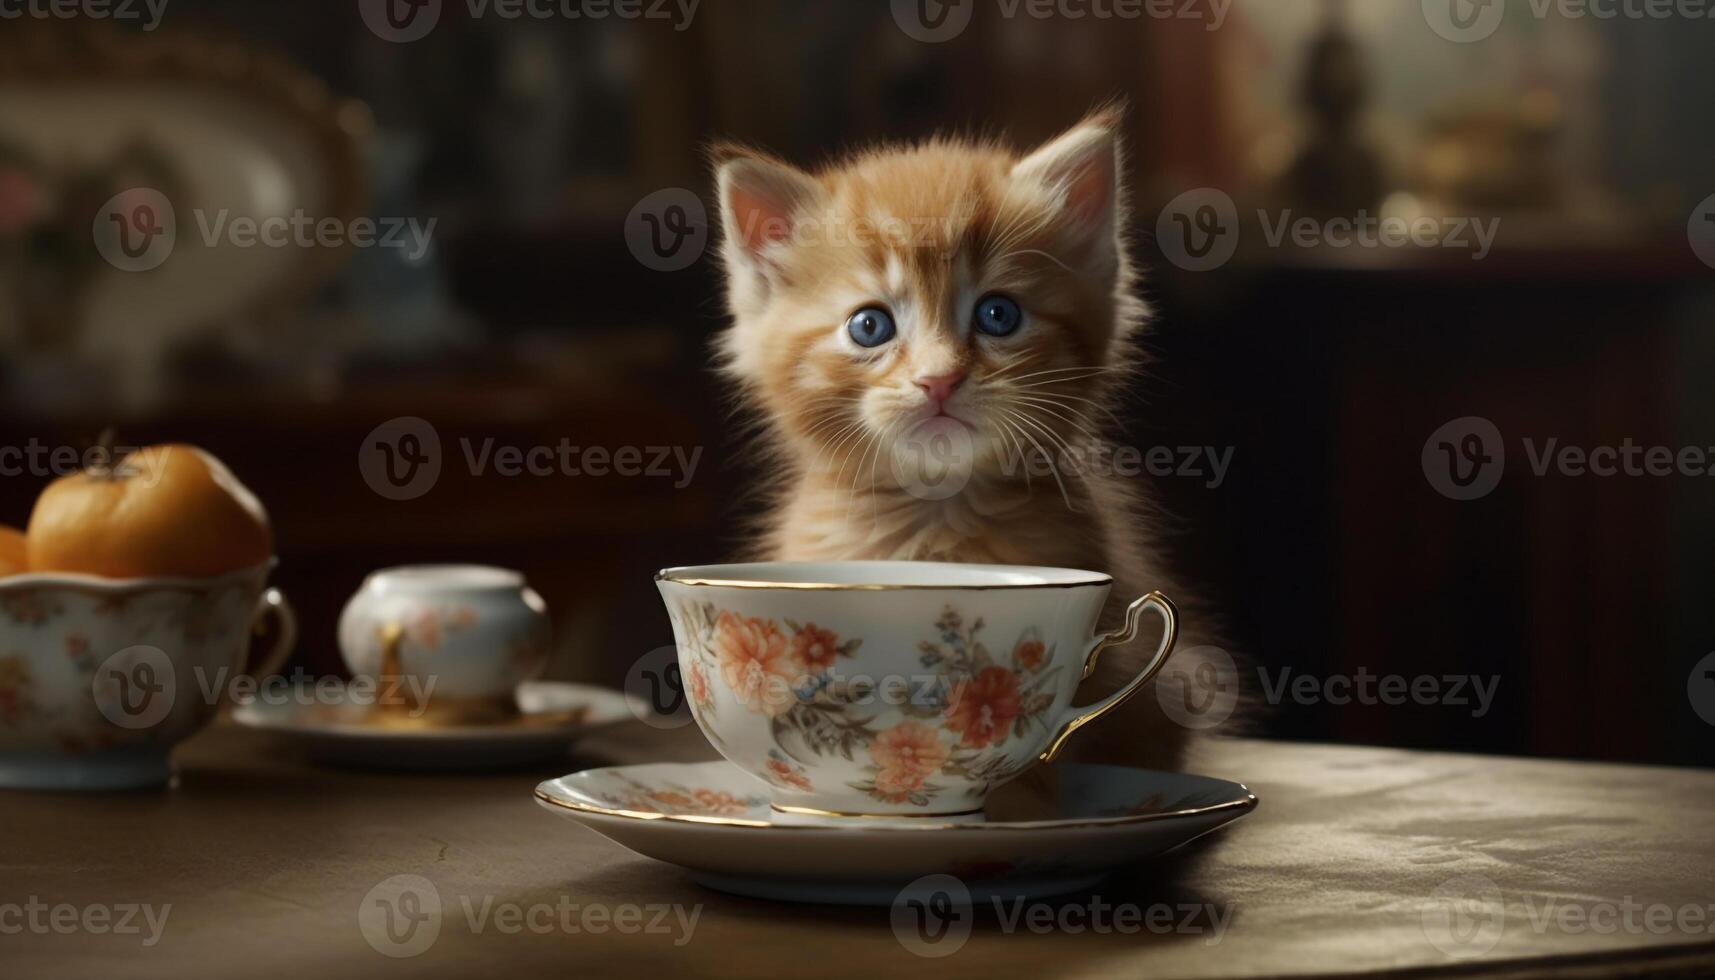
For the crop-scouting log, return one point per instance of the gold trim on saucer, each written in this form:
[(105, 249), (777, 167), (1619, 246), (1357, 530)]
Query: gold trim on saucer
[(1246, 804), (810, 811)]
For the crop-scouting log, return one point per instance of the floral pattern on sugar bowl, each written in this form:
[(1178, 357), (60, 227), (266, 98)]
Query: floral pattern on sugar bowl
[(960, 718), (99, 678)]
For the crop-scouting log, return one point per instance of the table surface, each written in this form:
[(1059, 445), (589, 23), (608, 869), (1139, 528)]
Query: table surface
[(1358, 859)]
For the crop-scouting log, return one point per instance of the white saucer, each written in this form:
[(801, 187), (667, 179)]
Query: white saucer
[(552, 715), (714, 820)]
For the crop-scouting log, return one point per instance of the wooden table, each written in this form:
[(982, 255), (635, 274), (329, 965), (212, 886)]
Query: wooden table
[(1347, 866)]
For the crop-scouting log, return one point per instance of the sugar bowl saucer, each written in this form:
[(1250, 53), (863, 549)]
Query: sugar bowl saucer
[(714, 820), (551, 714)]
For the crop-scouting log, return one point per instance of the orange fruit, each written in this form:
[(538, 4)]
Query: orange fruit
[(170, 510), (13, 560)]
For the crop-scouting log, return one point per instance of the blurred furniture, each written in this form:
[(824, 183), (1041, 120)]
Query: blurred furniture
[(1359, 860), (1332, 553), (198, 138)]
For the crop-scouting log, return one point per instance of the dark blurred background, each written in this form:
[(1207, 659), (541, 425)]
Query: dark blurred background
[(536, 142)]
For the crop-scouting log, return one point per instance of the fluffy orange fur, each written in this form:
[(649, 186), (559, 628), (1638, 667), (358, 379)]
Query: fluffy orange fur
[(864, 458)]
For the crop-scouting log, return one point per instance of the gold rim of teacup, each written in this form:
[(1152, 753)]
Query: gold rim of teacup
[(677, 577), (1247, 803)]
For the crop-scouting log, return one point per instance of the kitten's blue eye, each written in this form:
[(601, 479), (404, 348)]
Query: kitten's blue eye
[(870, 327), (998, 316)]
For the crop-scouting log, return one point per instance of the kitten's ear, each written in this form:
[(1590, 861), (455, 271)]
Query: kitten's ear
[(1081, 166), (760, 198)]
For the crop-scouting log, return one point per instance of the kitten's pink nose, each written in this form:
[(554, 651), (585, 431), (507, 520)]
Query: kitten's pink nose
[(940, 387)]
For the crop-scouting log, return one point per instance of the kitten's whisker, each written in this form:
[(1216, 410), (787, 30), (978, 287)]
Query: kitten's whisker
[(1065, 402), (1001, 373), (1091, 402), (1052, 466), (1007, 429), (1059, 381), (1035, 251), (840, 477), (1084, 368), (1080, 423), (874, 502), (853, 431)]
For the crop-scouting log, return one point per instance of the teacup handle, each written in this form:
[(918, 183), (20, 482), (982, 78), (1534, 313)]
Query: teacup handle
[(1077, 716), (273, 604)]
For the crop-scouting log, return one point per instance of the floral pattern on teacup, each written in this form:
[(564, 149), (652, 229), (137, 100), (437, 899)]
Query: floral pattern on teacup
[(789, 673), (49, 699)]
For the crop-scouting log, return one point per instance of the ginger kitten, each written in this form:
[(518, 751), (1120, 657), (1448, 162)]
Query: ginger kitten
[(923, 330)]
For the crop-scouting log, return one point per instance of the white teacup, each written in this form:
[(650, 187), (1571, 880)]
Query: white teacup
[(859, 689), (445, 643), (101, 677)]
